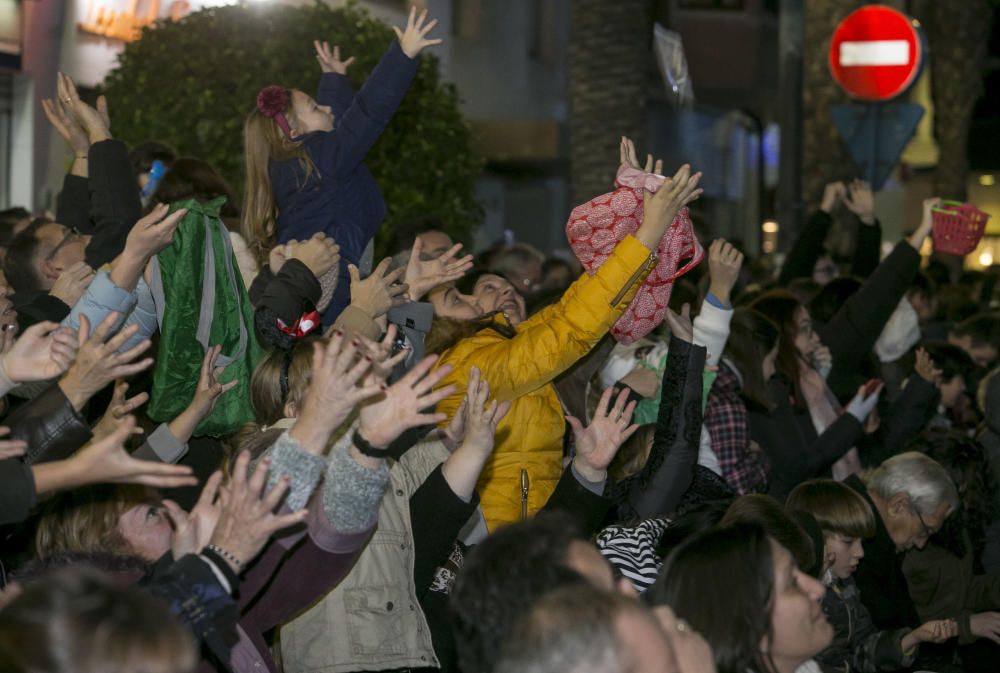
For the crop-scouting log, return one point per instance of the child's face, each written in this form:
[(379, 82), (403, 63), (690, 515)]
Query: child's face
[(843, 554), (309, 116)]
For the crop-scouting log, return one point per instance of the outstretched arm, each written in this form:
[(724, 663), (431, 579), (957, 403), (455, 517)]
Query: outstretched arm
[(364, 121)]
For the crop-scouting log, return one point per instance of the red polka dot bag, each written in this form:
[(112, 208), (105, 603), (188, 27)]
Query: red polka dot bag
[(596, 227)]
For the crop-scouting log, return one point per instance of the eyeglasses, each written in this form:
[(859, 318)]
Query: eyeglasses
[(71, 235)]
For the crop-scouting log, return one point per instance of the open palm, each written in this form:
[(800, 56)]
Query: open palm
[(423, 275), (402, 405), (598, 443)]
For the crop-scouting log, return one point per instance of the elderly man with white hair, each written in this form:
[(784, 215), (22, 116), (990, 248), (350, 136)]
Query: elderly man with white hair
[(911, 496)]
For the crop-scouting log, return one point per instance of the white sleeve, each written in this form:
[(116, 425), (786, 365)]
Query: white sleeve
[(711, 330)]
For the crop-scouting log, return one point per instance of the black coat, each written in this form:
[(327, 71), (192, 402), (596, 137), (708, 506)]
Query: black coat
[(884, 590), (853, 330), (794, 450)]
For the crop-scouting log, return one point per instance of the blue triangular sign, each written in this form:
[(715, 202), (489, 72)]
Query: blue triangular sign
[(875, 135)]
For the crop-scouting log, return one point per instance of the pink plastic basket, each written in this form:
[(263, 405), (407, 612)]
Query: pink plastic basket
[(958, 227)]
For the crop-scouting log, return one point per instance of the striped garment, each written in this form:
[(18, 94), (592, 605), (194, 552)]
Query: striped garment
[(632, 550)]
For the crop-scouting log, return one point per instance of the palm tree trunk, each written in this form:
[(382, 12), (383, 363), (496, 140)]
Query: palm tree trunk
[(609, 63), (958, 34)]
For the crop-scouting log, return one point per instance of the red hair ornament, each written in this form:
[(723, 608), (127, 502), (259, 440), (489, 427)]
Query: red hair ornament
[(272, 101)]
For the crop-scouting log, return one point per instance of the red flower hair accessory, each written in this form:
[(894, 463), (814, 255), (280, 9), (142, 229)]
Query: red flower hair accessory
[(272, 101)]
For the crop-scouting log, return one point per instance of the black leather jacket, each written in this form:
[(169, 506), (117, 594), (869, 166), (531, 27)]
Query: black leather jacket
[(50, 425)]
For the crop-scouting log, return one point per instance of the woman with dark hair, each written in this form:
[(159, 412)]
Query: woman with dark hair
[(741, 385), (945, 578), (745, 594), (804, 432)]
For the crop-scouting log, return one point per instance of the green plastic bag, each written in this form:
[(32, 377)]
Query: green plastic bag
[(201, 302)]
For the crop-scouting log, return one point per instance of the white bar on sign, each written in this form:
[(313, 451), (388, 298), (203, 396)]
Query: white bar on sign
[(875, 52)]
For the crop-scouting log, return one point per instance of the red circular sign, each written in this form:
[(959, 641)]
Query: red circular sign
[(876, 53)]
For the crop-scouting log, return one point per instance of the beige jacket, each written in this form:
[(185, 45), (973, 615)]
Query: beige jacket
[(372, 620)]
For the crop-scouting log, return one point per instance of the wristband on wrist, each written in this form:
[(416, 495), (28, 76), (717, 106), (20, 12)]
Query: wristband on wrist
[(365, 447), (228, 556)]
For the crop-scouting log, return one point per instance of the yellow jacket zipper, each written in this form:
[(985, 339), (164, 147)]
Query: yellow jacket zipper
[(645, 268), (525, 487)]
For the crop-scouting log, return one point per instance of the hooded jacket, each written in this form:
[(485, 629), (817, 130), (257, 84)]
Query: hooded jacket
[(526, 464)]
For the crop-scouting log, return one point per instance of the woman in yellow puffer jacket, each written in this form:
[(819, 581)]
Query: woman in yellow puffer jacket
[(520, 358)]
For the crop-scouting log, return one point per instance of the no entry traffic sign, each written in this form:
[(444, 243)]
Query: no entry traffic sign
[(876, 53)]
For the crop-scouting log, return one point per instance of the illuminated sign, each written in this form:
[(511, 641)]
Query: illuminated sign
[(125, 20)]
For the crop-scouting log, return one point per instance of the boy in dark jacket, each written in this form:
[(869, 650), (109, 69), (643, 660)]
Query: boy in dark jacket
[(858, 645)]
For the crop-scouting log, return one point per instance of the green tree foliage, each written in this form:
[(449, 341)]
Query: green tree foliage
[(191, 84)]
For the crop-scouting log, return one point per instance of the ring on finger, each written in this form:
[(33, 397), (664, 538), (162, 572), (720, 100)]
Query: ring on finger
[(682, 626)]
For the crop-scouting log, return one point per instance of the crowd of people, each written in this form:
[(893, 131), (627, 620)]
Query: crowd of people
[(234, 442)]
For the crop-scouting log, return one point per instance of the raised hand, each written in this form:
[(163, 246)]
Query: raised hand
[(925, 368), (44, 351), (11, 448), (860, 200), (335, 390), (329, 61), (917, 238), (98, 361), (319, 253), (628, 157), (120, 407), (680, 325), (597, 444), (724, 263), (481, 415), (833, 193), (95, 120), (193, 530), (860, 406), (400, 407), (63, 119), (424, 275), (153, 232), (210, 389), (453, 434), (380, 291), (106, 462), (660, 208), (247, 520), (72, 283), (380, 354), (413, 39)]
